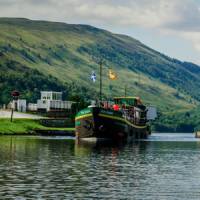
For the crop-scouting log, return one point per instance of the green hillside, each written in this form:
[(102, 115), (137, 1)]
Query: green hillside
[(38, 55)]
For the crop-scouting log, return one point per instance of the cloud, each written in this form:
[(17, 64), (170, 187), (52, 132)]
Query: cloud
[(171, 14), (194, 37), (178, 17)]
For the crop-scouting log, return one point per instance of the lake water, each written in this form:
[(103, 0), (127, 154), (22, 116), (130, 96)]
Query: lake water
[(166, 166)]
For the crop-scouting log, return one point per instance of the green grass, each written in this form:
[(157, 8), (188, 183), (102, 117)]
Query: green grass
[(24, 126)]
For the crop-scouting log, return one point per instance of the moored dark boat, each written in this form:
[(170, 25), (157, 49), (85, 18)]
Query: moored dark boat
[(125, 119)]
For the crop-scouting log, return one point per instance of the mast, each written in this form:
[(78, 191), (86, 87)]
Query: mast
[(100, 83), (99, 62)]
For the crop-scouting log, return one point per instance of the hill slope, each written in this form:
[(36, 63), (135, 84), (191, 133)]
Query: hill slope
[(61, 56)]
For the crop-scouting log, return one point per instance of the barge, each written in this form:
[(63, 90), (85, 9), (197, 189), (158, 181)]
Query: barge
[(123, 119)]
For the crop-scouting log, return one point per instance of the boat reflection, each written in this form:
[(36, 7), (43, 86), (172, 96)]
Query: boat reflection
[(84, 147)]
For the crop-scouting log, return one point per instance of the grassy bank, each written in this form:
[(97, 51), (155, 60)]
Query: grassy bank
[(24, 126)]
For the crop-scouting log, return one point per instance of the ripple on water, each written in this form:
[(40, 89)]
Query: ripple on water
[(166, 166)]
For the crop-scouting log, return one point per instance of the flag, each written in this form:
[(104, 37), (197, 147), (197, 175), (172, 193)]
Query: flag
[(93, 76), (112, 75)]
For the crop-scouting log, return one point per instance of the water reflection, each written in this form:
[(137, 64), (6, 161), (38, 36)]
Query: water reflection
[(62, 168)]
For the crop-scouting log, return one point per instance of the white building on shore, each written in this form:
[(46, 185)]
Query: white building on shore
[(52, 101), (32, 107), (18, 105)]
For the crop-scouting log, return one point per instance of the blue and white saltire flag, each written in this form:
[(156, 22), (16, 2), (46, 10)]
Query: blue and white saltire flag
[(93, 76)]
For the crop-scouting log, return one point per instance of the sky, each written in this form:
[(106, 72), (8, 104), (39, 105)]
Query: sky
[(169, 26)]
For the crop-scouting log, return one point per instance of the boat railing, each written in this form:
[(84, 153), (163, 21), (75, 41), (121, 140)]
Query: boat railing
[(131, 113), (107, 104), (134, 116)]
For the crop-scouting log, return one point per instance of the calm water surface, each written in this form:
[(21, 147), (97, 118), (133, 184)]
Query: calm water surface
[(166, 166)]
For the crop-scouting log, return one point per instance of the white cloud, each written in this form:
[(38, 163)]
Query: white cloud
[(194, 37), (178, 17), (146, 13)]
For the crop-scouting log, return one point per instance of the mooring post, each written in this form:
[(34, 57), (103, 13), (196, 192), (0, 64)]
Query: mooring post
[(11, 117)]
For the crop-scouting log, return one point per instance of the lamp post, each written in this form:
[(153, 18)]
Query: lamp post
[(15, 95)]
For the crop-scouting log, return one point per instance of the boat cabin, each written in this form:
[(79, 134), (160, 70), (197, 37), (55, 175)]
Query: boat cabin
[(121, 103), (128, 101)]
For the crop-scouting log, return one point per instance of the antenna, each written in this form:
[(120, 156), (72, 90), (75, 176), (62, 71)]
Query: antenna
[(139, 78), (125, 90), (100, 82)]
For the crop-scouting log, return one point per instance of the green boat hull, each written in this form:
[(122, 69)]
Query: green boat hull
[(100, 123)]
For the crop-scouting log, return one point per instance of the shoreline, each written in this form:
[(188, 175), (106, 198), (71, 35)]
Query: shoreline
[(31, 127), (40, 133), (25, 127)]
